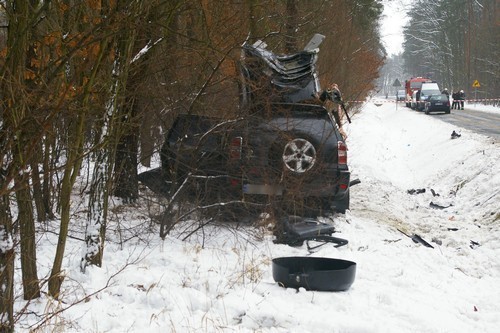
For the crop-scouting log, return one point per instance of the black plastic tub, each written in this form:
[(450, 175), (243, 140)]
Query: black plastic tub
[(314, 273)]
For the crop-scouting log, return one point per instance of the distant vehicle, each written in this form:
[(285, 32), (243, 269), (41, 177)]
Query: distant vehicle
[(411, 86), (427, 89), (401, 95), (437, 103)]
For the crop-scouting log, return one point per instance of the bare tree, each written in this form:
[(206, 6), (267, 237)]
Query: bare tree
[(6, 264), (19, 130), (74, 88), (85, 72)]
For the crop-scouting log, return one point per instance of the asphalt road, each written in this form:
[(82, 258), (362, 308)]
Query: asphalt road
[(485, 123)]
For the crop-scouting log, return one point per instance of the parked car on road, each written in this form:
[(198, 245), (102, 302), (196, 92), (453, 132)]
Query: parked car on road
[(437, 103), (411, 86), (401, 95), (428, 89)]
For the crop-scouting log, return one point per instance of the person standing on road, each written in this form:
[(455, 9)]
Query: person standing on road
[(454, 97), (447, 93), (461, 98)]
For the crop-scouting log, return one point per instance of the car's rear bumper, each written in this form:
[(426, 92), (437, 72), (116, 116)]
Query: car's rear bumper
[(335, 185), (439, 109)]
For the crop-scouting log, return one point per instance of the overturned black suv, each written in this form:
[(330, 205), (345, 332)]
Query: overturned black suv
[(285, 150)]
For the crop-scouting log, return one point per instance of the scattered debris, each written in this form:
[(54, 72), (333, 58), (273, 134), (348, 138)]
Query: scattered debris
[(434, 194), (474, 244), (417, 239), (436, 206), (354, 182), (452, 229), (297, 230), (455, 135), (437, 241), (392, 240), (417, 191)]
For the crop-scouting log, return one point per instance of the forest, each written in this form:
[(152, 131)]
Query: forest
[(100, 81), (453, 42)]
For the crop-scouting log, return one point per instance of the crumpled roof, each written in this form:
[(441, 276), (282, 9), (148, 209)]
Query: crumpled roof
[(282, 78)]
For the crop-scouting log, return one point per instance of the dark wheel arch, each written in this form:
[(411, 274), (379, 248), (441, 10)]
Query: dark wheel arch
[(342, 205)]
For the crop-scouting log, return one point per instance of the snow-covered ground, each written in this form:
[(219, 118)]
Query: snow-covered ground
[(220, 278), (482, 107)]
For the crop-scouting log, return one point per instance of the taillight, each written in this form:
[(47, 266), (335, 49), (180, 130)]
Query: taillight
[(235, 148), (342, 152)]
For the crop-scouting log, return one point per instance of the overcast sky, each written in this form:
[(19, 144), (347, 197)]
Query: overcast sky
[(394, 18)]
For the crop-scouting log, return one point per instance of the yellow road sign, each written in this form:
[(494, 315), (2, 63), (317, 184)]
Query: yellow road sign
[(476, 84)]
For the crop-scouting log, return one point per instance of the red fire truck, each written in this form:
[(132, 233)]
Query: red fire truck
[(412, 85)]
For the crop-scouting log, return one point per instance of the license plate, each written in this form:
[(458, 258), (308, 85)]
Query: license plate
[(262, 189), (439, 103)]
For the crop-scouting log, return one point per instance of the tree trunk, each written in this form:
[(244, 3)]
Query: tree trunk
[(49, 143), (126, 183), (7, 256), (18, 126), (96, 224), (71, 170), (131, 72), (41, 215), (28, 241), (101, 178)]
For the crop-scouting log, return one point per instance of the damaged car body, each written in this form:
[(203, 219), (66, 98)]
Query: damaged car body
[(284, 150)]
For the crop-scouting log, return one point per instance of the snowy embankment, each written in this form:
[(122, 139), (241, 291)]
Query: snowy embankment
[(220, 280)]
